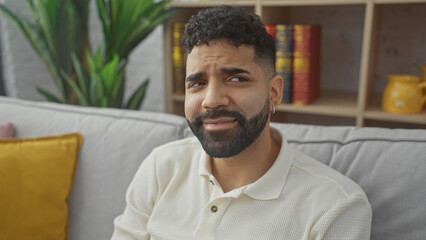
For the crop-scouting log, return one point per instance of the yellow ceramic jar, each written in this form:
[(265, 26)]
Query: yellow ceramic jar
[(403, 94), (424, 76)]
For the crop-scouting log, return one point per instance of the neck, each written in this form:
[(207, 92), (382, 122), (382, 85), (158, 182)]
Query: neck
[(247, 166)]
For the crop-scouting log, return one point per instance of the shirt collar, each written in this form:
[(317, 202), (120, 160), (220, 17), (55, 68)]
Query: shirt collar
[(271, 184), (204, 168)]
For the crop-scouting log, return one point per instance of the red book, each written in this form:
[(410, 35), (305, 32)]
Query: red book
[(306, 63), (270, 28)]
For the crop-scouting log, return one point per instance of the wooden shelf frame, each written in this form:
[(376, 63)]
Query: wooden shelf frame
[(362, 105)]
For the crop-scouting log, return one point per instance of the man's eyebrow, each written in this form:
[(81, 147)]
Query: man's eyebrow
[(227, 70), (233, 70), (193, 77)]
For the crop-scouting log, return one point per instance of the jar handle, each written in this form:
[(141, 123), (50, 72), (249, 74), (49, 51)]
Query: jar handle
[(423, 85)]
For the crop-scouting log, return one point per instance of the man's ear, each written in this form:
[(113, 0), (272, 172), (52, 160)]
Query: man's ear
[(276, 85)]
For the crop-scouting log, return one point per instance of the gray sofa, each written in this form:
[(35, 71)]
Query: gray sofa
[(390, 165)]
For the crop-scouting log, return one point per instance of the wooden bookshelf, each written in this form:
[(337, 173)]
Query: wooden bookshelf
[(358, 64)]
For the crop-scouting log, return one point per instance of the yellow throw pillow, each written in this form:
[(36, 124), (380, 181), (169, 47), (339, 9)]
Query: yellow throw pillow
[(36, 176)]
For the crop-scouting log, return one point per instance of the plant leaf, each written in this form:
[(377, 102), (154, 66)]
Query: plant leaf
[(103, 16), (137, 97), (140, 30), (30, 4), (80, 96), (18, 22), (65, 31), (104, 102), (81, 76), (114, 10), (143, 7), (109, 74), (49, 96), (46, 26), (39, 45), (127, 10), (118, 91), (155, 10), (53, 10), (96, 94)]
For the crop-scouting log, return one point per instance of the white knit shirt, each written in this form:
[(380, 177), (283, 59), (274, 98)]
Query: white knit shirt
[(174, 196)]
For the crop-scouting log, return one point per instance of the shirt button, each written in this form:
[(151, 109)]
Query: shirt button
[(211, 181), (214, 209)]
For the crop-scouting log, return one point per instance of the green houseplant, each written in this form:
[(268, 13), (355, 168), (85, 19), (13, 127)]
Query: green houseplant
[(58, 32)]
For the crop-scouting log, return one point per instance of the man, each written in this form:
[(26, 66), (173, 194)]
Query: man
[(238, 179)]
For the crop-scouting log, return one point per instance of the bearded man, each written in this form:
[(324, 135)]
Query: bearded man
[(237, 178)]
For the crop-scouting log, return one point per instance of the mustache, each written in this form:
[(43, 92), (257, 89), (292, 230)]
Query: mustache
[(218, 113)]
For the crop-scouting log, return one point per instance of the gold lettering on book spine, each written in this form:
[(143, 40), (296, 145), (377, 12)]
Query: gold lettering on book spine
[(178, 59)]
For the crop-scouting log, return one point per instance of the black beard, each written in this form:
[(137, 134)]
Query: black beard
[(229, 142)]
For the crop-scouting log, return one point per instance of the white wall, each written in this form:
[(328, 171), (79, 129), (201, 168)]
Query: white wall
[(23, 71)]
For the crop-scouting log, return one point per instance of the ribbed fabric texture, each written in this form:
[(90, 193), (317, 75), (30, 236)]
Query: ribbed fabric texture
[(174, 196)]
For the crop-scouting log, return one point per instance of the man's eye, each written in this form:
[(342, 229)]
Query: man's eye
[(195, 84), (238, 79)]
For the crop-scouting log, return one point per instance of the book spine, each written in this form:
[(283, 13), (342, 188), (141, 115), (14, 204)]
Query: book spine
[(178, 59), (283, 64), (270, 28), (306, 61)]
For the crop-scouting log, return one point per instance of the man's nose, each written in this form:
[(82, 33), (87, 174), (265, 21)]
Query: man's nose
[(215, 96)]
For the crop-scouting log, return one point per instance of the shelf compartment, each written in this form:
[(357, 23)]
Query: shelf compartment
[(399, 42), (331, 103), (375, 112), (341, 39)]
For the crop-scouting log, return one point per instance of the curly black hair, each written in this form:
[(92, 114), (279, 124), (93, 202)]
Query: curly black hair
[(235, 25)]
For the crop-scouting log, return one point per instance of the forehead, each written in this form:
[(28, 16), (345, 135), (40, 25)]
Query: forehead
[(219, 53)]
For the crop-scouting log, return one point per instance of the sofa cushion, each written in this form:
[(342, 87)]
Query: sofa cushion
[(115, 143), (35, 180), (390, 166)]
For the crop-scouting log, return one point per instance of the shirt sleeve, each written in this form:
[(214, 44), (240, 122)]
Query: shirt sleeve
[(140, 198), (347, 220)]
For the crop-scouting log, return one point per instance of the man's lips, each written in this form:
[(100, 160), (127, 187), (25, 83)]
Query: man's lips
[(219, 123)]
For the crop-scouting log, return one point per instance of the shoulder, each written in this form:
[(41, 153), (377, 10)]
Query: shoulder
[(177, 157), (324, 180), (177, 151), (336, 206)]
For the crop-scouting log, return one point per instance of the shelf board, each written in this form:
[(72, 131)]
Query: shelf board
[(375, 112), (331, 103), (203, 4), (311, 2), (379, 114), (398, 1)]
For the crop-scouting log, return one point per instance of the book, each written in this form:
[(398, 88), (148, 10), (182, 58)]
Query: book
[(283, 62), (270, 28), (306, 61), (178, 56)]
